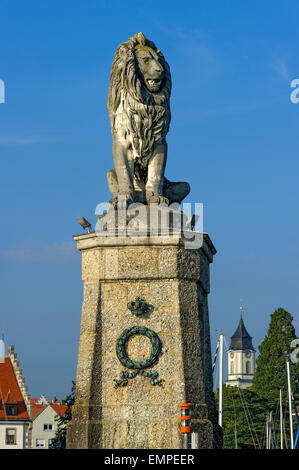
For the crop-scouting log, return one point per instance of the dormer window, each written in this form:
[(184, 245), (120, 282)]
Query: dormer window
[(11, 410)]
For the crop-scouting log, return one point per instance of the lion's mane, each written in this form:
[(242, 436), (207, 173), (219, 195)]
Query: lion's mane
[(147, 114)]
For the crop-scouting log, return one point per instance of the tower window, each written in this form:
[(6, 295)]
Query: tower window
[(247, 367), (232, 367)]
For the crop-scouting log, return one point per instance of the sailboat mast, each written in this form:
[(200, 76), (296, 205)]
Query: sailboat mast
[(280, 412), (290, 404)]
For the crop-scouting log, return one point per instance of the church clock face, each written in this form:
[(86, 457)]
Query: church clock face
[(248, 354), (231, 354)]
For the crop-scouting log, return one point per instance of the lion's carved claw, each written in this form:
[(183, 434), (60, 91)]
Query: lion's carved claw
[(155, 198)]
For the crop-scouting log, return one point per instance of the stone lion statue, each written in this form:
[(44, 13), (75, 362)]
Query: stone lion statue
[(139, 112)]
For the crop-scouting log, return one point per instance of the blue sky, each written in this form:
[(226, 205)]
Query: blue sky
[(233, 137)]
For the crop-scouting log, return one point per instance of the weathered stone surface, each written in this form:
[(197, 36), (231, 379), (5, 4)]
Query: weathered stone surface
[(174, 281)]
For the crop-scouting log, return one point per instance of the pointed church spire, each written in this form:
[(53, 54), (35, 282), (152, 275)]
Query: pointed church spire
[(241, 339)]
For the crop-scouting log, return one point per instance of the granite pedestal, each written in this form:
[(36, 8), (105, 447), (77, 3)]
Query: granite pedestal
[(174, 281)]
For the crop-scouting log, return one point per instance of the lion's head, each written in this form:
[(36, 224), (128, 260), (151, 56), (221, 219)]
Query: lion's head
[(139, 69), (150, 67), (140, 87)]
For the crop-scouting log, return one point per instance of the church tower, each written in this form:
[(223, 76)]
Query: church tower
[(241, 358)]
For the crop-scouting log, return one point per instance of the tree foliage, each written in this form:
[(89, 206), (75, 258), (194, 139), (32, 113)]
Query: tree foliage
[(243, 419), (59, 441), (270, 375)]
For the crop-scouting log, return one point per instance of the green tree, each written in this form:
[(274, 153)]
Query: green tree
[(270, 375), (59, 441), (243, 418)]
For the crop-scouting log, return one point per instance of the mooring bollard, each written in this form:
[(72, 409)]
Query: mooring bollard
[(185, 422)]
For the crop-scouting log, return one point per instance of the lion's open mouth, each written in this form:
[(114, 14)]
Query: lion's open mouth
[(154, 82)]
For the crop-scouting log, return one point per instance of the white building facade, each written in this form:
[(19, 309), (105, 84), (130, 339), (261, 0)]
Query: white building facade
[(44, 426), (13, 435)]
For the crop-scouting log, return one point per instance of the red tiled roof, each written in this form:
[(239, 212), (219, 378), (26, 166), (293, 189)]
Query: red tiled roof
[(9, 389), (37, 409), (60, 409), (33, 401), (10, 399)]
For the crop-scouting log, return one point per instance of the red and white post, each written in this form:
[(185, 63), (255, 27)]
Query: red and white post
[(185, 422)]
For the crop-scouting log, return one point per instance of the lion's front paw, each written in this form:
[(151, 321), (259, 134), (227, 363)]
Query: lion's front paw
[(155, 198)]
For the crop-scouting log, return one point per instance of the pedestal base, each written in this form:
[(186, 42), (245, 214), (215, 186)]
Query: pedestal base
[(141, 413)]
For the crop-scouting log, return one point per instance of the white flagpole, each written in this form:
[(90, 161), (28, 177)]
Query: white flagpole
[(220, 378)]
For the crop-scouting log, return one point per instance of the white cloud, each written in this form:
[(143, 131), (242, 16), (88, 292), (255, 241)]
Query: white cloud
[(56, 253), (232, 110), (196, 116), (24, 140), (281, 68), (194, 44), (5, 139)]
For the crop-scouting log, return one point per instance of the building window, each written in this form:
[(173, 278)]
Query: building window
[(11, 410), (231, 367), (247, 367), (48, 427), (11, 436), (40, 443)]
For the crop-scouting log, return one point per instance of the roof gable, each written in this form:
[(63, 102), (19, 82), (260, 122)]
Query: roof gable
[(60, 409), (37, 410), (10, 393), (49, 410)]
